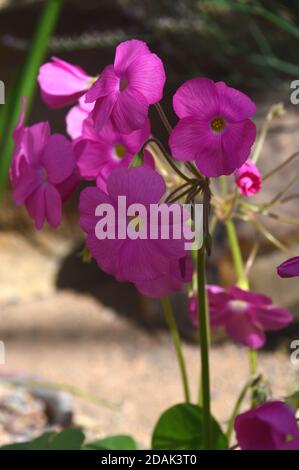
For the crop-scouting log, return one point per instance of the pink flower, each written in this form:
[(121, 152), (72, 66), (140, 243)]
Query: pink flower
[(125, 89), (214, 127), (62, 83), (99, 153), (155, 266), (43, 171), (248, 179), (76, 117), (270, 426), (289, 268), (244, 315)]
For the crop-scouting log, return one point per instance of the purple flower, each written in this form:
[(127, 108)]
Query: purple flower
[(76, 117), (62, 83), (244, 315), (248, 179), (179, 273), (156, 266), (99, 153), (43, 171), (289, 268), (270, 426), (125, 89), (214, 127)]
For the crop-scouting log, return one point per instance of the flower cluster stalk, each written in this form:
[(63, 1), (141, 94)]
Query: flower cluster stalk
[(204, 338), (177, 345)]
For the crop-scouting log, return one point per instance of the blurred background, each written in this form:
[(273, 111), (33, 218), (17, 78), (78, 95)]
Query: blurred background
[(102, 350)]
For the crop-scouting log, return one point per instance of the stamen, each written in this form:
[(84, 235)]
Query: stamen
[(123, 84), (120, 151), (218, 124)]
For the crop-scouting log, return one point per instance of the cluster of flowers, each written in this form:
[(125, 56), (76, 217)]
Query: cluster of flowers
[(108, 126)]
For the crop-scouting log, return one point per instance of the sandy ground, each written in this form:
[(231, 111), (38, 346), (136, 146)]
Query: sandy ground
[(73, 339)]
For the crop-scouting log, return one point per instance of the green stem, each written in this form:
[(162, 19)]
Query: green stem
[(242, 280), (177, 344), (27, 82), (253, 361), (204, 337), (250, 383)]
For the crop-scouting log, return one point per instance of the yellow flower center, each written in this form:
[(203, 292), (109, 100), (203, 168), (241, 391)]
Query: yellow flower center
[(123, 84), (218, 124), (120, 151), (136, 223)]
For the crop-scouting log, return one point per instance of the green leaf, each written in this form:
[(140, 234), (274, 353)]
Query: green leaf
[(69, 439), (40, 443), (293, 400), (180, 428), (138, 160), (112, 443)]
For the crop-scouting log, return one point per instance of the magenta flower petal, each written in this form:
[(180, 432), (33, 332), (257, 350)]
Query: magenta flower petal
[(180, 272), (148, 160), (36, 207), (210, 159), (272, 318), (62, 83), (134, 141), (196, 97), (235, 105), (221, 154), (289, 268), (242, 330), (127, 52), (236, 143), (91, 157), (76, 116), (53, 206), (248, 179), (90, 198), (183, 140), (106, 84), (18, 152), (270, 426), (106, 252), (141, 185), (130, 111), (249, 296), (145, 263), (68, 186), (35, 140), (19, 129), (146, 74), (58, 159), (26, 182), (102, 111)]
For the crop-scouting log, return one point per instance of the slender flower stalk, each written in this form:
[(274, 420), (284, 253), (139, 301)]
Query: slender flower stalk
[(242, 278), (249, 384), (177, 344), (204, 337)]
